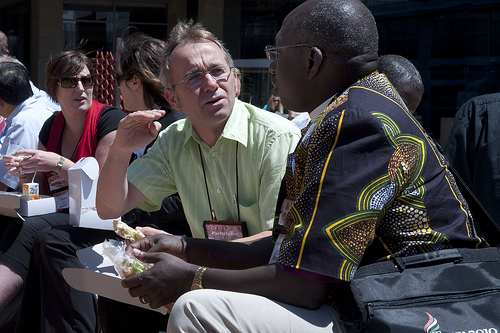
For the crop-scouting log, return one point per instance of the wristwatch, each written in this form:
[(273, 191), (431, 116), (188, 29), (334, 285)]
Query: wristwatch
[(58, 166), (197, 281)]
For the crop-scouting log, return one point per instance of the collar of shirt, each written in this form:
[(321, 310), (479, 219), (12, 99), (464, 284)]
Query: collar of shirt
[(316, 112), (18, 109), (236, 127), (3, 132)]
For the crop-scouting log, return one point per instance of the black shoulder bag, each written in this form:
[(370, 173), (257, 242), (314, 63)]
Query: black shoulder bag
[(452, 290)]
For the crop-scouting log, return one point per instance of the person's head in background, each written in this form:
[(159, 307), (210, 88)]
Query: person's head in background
[(138, 72), (4, 43), (274, 104), (70, 79), (405, 77), (15, 86)]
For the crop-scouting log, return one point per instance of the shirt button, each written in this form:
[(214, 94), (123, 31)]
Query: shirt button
[(219, 191), (213, 154)]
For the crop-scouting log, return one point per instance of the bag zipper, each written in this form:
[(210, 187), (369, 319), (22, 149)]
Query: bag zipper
[(428, 300)]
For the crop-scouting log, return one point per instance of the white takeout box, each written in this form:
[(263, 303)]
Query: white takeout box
[(16, 204), (82, 179), (100, 277)]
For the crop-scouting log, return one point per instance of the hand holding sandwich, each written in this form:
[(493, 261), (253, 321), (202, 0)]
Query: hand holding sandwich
[(164, 243), (162, 284)]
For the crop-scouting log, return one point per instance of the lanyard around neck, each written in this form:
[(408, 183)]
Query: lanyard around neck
[(236, 196)]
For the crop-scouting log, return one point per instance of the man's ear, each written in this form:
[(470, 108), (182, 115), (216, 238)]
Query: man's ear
[(172, 99), (237, 85), (315, 61)]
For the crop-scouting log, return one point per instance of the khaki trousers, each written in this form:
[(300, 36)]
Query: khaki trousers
[(210, 310)]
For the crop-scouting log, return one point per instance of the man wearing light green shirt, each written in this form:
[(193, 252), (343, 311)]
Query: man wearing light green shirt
[(173, 164), (228, 157)]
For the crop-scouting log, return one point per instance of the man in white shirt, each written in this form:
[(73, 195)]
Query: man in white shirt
[(24, 117), (38, 94)]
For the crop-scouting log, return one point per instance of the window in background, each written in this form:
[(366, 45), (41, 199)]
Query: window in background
[(101, 23)]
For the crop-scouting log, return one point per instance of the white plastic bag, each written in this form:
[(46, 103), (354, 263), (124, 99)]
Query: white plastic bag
[(125, 264)]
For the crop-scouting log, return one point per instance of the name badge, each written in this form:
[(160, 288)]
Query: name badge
[(225, 230)]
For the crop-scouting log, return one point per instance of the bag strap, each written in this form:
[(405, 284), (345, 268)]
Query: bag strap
[(455, 256), (487, 225)]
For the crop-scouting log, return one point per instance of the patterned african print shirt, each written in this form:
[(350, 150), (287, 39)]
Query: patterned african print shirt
[(366, 183)]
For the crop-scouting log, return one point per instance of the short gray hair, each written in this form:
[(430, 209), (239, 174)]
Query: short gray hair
[(186, 32)]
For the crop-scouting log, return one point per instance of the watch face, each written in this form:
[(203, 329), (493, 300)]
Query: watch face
[(58, 166)]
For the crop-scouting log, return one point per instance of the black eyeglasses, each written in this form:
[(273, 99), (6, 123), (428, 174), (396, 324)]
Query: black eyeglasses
[(219, 73), (72, 81), (272, 51)]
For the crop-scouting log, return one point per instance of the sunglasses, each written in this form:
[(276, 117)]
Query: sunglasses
[(72, 81)]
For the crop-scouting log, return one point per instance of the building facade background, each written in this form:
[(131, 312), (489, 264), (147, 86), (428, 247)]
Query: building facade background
[(455, 44)]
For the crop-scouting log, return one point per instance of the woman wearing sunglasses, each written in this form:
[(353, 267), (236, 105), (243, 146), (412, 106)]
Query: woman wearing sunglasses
[(83, 127), (274, 104), (66, 309)]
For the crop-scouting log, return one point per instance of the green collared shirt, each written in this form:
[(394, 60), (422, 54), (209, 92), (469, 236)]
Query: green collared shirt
[(173, 165)]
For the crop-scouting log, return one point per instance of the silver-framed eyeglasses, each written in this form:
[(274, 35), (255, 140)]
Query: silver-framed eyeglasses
[(272, 51), (219, 73)]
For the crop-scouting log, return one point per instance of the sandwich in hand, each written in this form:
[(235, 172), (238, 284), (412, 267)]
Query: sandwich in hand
[(123, 230), (126, 265), (22, 157), (131, 267)]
